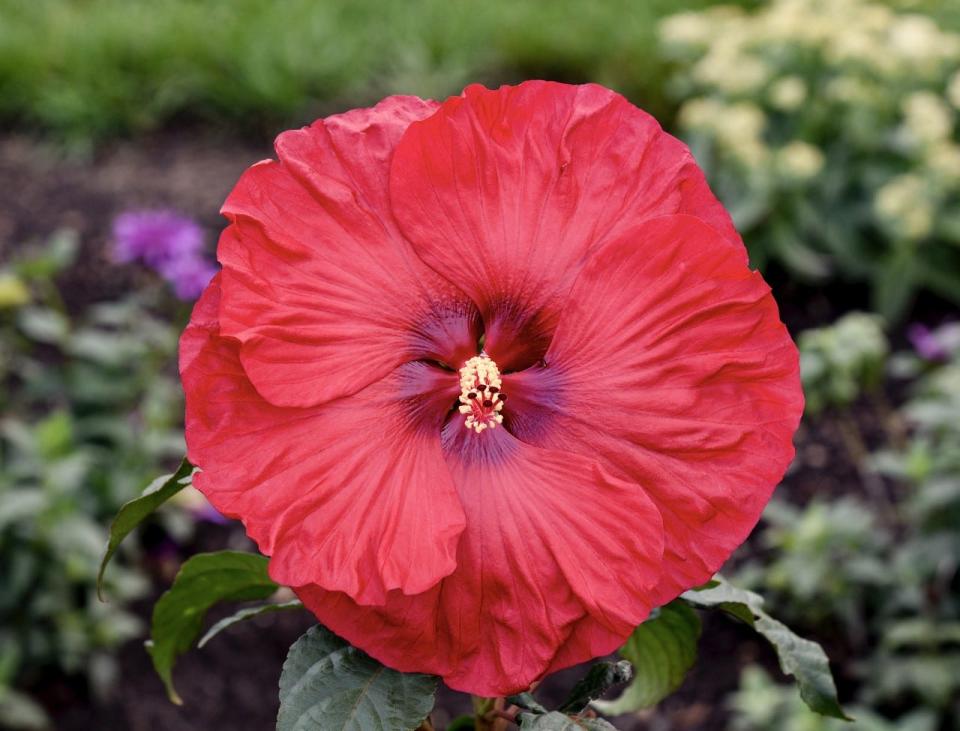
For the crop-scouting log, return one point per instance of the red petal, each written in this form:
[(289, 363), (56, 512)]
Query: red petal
[(556, 553), (353, 495), (671, 365), (507, 192), (203, 324), (319, 286)]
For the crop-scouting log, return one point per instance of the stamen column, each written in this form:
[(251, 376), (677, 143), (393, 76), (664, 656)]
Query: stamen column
[(480, 396)]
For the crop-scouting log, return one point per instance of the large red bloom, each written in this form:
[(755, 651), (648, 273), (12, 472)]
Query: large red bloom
[(487, 379)]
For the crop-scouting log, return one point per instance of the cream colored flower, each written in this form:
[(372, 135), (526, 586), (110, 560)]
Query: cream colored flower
[(953, 90), (795, 21), (850, 90), (687, 29), (927, 118), (728, 68), (751, 153), (701, 113), (788, 93), (876, 18), (740, 130), (943, 161), (737, 128), (913, 35), (903, 205), (743, 120), (855, 45), (800, 160), (918, 39)]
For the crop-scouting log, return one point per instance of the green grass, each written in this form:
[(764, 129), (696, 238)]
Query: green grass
[(86, 70)]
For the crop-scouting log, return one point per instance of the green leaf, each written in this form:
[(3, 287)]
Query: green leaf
[(19, 712), (22, 504), (58, 253), (742, 604), (527, 702), (556, 721), (202, 581), (595, 683), (895, 283), (328, 685), (662, 650), (804, 660), (807, 662), (244, 614), (805, 261), (44, 325), (134, 512)]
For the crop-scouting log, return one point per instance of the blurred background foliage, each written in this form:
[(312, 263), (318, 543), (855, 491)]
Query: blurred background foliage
[(828, 127), (91, 69), (89, 411), (878, 571)]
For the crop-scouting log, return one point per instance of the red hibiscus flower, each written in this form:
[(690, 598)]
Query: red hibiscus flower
[(487, 379)]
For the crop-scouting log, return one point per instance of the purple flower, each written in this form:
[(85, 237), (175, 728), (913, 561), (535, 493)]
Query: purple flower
[(926, 343), (155, 237), (168, 243), (188, 275), (209, 514)]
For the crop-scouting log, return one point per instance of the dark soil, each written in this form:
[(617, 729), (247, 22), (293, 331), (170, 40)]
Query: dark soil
[(231, 684)]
